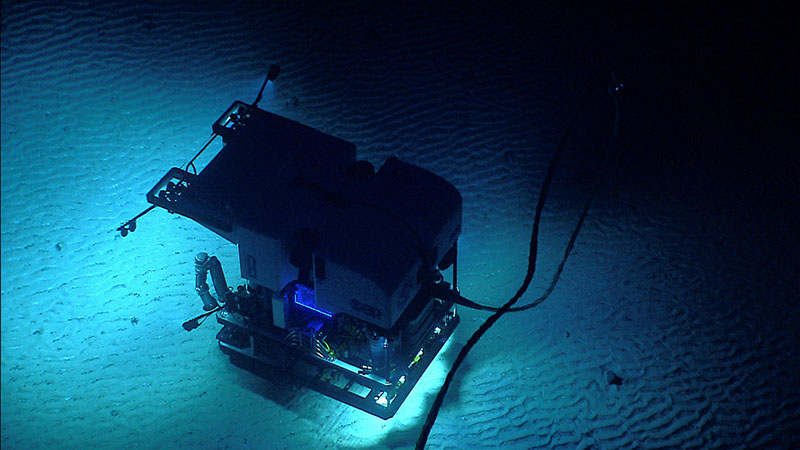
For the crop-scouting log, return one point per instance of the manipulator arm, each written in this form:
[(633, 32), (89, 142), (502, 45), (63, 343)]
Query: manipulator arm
[(202, 265)]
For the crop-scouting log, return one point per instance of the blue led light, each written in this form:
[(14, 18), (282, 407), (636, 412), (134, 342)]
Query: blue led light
[(304, 296)]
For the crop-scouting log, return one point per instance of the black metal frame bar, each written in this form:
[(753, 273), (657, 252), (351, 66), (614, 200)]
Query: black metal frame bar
[(322, 375)]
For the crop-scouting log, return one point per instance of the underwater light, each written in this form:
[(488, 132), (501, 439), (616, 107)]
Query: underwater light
[(303, 296), (382, 400)]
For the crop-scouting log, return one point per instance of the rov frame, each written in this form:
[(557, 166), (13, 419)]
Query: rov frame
[(310, 364), (263, 330)]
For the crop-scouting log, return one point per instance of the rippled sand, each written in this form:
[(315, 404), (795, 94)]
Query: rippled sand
[(683, 282)]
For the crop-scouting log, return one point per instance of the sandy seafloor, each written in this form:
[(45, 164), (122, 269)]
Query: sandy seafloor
[(684, 281)]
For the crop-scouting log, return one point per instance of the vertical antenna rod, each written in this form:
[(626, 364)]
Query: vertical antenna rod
[(274, 70)]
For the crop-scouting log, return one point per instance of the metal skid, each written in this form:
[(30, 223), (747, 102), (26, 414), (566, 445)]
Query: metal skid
[(310, 363)]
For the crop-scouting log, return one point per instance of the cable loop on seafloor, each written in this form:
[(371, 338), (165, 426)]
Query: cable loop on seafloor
[(454, 296)]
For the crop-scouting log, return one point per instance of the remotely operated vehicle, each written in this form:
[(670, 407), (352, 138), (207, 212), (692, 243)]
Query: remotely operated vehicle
[(339, 259)]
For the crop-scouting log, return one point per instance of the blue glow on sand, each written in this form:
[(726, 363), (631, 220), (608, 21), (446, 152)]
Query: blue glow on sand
[(360, 430)]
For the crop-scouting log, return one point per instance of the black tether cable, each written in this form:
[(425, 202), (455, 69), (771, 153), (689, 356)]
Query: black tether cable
[(437, 403), (444, 293)]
